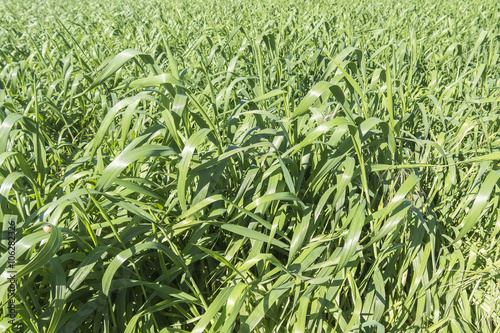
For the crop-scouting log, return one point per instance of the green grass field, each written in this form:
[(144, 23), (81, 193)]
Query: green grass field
[(281, 166)]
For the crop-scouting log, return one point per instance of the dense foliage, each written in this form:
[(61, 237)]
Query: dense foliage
[(255, 167)]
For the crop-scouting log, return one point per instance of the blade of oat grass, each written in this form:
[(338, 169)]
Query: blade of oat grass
[(45, 255), (194, 141), (127, 157), (479, 203), (116, 63), (126, 254)]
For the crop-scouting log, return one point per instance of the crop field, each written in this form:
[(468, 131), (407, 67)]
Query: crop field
[(228, 166)]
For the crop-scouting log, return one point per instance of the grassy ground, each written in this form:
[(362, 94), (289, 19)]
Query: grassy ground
[(180, 166)]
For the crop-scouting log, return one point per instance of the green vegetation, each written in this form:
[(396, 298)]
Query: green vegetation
[(275, 167)]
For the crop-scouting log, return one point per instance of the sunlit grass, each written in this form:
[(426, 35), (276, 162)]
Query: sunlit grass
[(274, 167)]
